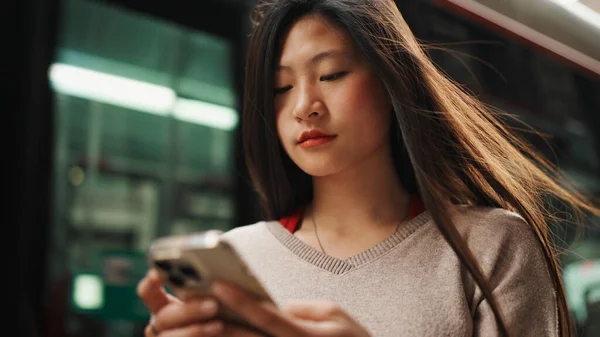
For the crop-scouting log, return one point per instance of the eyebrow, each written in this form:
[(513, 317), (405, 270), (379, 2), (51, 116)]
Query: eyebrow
[(315, 59)]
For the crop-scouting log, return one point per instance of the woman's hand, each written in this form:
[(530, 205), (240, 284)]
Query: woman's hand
[(171, 316), (297, 319), (197, 318)]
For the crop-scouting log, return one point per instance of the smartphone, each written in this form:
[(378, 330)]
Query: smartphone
[(190, 263)]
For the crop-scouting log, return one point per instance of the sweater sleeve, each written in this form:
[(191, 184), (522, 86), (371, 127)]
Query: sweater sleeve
[(513, 262)]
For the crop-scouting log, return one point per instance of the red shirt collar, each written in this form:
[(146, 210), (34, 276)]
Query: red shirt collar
[(292, 221)]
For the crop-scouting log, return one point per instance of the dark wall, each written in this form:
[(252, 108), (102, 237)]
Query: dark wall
[(30, 101)]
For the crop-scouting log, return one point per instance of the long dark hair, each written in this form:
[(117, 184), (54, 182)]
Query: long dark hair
[(449, 148)]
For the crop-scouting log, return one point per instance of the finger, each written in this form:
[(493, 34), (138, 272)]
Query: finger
[(177, 315), (260, 314), (210, 329), (148, 332), (324, 317), (152, 293), (314, 310)]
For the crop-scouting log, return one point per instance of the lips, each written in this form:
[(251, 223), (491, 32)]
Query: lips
[(314, 138)]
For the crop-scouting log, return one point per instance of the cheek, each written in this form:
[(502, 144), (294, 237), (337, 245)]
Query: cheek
[(364, 102), (280, 126), (283, 130)]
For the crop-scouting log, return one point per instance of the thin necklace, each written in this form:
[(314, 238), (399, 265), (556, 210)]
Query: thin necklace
[(312, 217)]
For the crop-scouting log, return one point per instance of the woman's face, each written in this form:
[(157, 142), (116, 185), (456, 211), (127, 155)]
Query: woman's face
[(332, 111)]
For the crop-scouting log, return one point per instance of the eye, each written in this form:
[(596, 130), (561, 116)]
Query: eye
[(333, 77), (282, 90)]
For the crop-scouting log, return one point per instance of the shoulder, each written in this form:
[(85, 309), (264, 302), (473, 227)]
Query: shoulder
[(253, 239), (502, 242), (513, 262), (254, 243), (243, 233), (488, 227)]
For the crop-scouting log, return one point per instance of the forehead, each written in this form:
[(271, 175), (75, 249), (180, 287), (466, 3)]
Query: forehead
[(311, 35)]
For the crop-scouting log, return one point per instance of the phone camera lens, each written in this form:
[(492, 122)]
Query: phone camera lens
[(164, 265), (176, 281), (190, 272)]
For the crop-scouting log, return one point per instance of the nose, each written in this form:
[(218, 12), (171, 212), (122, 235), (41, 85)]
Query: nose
[(309, 104)]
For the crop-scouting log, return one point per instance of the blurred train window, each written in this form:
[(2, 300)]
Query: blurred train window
[(145, 115)]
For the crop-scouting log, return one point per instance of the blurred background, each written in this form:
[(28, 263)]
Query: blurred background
[(127, 128)]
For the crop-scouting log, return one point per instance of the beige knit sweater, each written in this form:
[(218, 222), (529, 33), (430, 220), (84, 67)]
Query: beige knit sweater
[(412, 283)]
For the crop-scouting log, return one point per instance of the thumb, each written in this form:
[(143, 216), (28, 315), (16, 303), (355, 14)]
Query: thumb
[(313, 310), (152, 293)]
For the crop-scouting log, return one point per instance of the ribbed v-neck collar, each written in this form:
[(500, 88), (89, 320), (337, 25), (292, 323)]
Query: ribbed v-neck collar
[(340, 266)]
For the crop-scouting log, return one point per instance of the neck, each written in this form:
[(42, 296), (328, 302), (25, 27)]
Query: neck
[(364, 198)]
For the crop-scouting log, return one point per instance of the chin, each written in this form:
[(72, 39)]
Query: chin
[(318, 172), (319, 168)]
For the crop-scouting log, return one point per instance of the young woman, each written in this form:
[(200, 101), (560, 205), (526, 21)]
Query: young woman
[(396, 204)]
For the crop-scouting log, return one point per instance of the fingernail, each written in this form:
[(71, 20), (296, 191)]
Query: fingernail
[(153, 275), (213, 328)]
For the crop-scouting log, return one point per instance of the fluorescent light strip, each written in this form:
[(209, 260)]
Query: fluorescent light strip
[(138, 95), (111, 89), (204, 113), (582, 11)]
